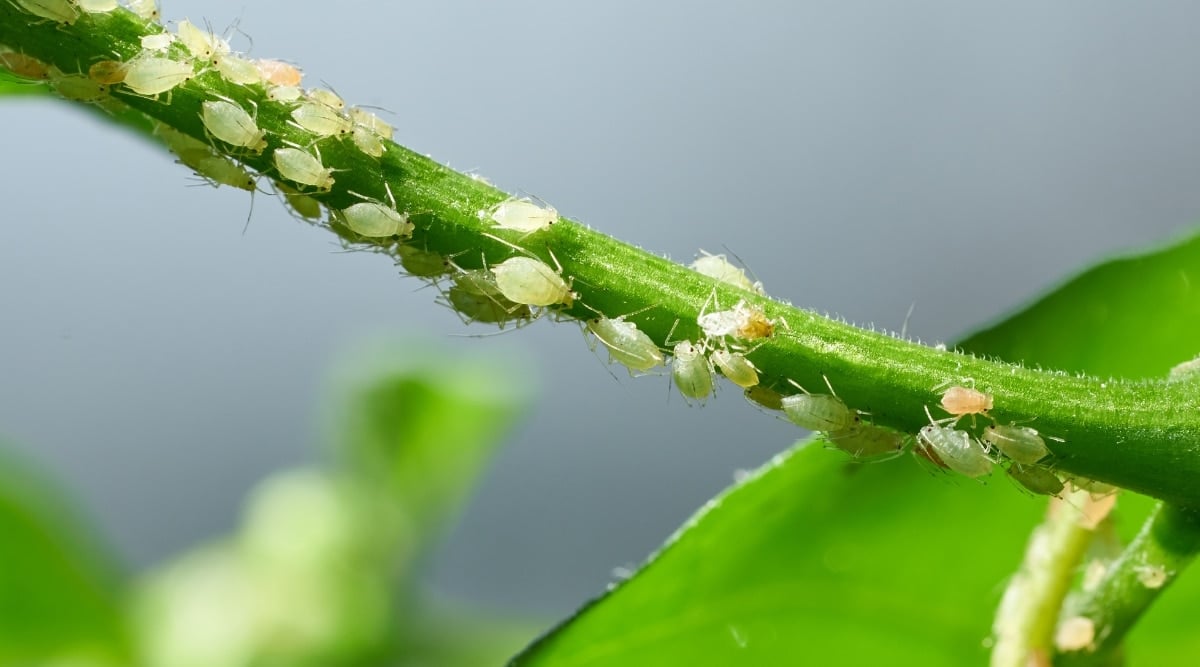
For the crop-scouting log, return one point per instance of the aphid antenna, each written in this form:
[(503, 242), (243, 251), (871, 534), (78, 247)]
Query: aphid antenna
[(904, 327)]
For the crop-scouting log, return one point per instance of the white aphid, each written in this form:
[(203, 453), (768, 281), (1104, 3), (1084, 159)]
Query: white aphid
[(1152, 576), (1075, 634), (146, 9), (522, 215), (735, 367), (1019, 443), (59, 11), (326, 97), (375, 220), (79, 88), (321, 120), (819, 412), (300, 167), (283, 93), (158, 42), (107, 72), (364, 118), (279, 73), (232, 124), (626, 343), (97, 6), (742, 321), (238, 70), (720, 268), (532, 282), (367, 141), (153, 75), (957, 449), (202, 44), (692, 371)]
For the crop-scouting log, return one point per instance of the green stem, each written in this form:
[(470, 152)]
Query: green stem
[(1166, 544), (1139, 435), (1025, 621)]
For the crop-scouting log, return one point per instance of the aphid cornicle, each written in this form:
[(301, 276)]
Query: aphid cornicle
[(532, 282), (691, 371), (522, 215), (626, 343), (1036, 479), (154, 75), (735, 367), (230, 123), (957, 449), (300, 167), (59, 11), (1019, 443)]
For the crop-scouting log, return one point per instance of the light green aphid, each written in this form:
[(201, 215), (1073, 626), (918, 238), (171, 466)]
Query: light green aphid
[(283, 93), (304, 206), (1036, 479), (764, 397), (818, 412), (202, 44), (59, 11), (158, 42), (735, 367), (230, 123), (476, 296), (326, 97), (367, 142), (691, 371), (300, 167), (374, 220), (957, 449), (1019, 443), (626, 343), (532, 282), (522, 215), (220, 170), (146, 9), (867, 441), (321, 120), (720, 268), (154, 75), (78, 88), (370, 121), (97, 6), (238, 70), (424, 263)]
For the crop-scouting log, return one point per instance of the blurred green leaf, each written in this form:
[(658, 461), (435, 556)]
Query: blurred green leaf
[(814, 561), (58, 588)]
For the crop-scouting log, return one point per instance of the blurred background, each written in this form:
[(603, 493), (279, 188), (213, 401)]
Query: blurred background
[(861, 158)]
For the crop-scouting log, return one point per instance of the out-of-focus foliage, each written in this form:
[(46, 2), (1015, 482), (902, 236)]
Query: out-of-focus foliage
[(814, 560)]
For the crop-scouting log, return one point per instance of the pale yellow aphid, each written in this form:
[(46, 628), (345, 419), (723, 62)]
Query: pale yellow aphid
[(78, 87), (202, 44), (220, 170), (321, 120), (1152, 576), (531, 282), (326, 97), (59, 11), (300, 167), (521, 215), (24, 66), (233, 125), (154, 75), (375, 220), (626, 343), (279, 73), (691, 371), (146, 9), (283, 93), (158, 42), (720, 268), (364, 118), (97, 6), (742, 321), (1075, 634), (238, 70), (963, 401), (107, 72), (735, 367), (367, 142)]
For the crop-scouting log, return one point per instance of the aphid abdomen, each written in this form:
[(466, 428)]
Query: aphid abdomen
[(1019, 443), (531, 282), (692, 371), (376, 220), (626, 343), (153, 75), (522, 215), (961, 401), (230, 123), (300, 167), (818, 412)]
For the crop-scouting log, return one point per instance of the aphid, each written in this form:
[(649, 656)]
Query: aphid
[(818, 412), (1188, 371), (321, 120), (238, 70), (1152, 576), (691, 371), (742, 321), (107, 72), (521, 215), (735, 367), (367, 142), (476, 296), (300, 167), (79, 88), (178, 142), (532, 282), (279, 73), (963, 401), (867, 441), (220, 170), (97, 6), (146, 9), (59, 11), (283, 93), (720, 268), (626, 343), (158, 42), (304, 206), (1075, 634), (374, 220), (326, 97), (202, 44), (1036, 479), (370, 121), (1019, 443), (765, 397), (230, 123), (424, 263), (24, 66), (153, 75), (957, 449)]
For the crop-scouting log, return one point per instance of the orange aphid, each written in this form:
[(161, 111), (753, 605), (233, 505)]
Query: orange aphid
[(962, 401), (24, 66), (279, 73)]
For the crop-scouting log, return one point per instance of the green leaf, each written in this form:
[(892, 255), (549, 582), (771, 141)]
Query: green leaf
[(58, 589), (813, 561)]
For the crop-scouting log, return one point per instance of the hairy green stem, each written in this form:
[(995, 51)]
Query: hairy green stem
[(1140, 435), (1166, 544)]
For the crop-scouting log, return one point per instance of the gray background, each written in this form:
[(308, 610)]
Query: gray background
[(860, 157)]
